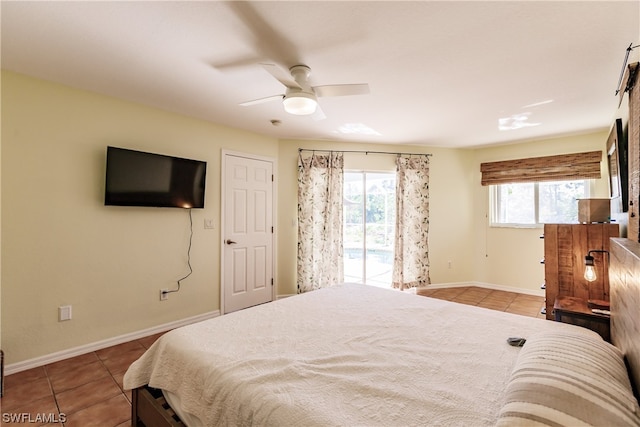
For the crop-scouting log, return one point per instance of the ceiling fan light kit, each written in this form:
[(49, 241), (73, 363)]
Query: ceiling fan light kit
[(300, 103)]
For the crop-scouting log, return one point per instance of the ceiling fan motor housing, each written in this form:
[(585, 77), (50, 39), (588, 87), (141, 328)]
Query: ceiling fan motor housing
[(300, 74)]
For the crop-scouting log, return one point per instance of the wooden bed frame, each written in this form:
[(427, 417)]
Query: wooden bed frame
[(624, 282), (149, 407)]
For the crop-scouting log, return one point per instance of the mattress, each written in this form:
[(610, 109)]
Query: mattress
[(346, 355)]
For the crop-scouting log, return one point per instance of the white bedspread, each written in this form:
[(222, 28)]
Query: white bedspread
[(351, 355)]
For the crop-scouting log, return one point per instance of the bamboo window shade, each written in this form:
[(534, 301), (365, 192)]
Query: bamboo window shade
[(548, 168)]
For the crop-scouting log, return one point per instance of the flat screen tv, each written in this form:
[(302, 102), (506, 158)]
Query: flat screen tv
[(136, 178), (618, 156)]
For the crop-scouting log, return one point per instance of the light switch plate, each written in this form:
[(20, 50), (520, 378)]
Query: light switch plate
[(64, 313)]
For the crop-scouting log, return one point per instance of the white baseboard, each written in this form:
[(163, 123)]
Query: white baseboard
[(538, 293), (88, 348)]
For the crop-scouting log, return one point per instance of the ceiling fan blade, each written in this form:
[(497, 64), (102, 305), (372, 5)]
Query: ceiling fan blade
[(264, 36), (235, 63), (342, 90), (281, 75), (318, 114), (262, 100)]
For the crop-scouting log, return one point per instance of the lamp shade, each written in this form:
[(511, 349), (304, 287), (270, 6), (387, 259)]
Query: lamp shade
[(300, 104)]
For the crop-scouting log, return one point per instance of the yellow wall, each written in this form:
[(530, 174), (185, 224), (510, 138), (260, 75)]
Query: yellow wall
[(511, 256), (450, 210), (61, 245)]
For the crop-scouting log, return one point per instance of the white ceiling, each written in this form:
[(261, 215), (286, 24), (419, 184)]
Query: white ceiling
[(441, 73)]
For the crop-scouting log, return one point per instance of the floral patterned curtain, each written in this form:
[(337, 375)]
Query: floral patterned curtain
[(411, 254), (320, 181)]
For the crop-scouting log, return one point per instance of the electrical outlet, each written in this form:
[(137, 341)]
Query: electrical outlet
[(164, 294)]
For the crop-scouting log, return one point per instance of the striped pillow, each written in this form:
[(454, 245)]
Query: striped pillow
[(569, 379)]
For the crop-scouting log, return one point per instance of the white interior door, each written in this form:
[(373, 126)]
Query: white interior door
[(247, 232)]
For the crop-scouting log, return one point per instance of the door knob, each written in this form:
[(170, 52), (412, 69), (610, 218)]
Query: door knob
[(230, 242)]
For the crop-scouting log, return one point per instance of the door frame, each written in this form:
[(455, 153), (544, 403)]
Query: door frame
[(274, 208)]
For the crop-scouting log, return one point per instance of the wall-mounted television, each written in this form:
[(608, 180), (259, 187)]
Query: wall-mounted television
[(618, 159), (136, 178)]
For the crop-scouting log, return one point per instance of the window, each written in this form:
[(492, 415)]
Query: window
[(534, 203), (369, 227)]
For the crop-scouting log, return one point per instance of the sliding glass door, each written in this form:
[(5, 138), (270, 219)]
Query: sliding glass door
[(369, 227)]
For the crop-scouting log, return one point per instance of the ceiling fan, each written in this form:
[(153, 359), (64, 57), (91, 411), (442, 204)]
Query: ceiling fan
[(300, 98)]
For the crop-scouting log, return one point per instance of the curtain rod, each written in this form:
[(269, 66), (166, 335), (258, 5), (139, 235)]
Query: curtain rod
[(365, 152)]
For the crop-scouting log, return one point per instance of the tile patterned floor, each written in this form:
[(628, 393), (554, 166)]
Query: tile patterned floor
[(87, 390), (82, 391), (511, 302)]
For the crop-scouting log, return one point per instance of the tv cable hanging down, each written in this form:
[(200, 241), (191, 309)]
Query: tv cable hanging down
[(164, 293)]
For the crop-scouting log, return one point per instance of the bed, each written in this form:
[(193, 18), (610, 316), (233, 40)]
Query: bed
[(360, 355)]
